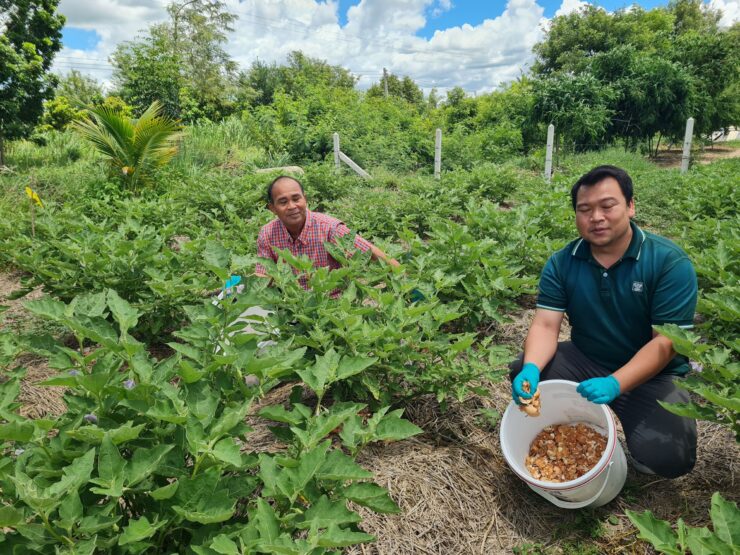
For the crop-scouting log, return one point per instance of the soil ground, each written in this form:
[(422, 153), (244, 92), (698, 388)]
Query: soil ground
[(671, 157)]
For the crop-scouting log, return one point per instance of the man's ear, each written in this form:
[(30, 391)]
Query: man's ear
[(271, 208)]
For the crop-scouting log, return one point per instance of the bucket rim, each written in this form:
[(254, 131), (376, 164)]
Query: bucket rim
[(581, 481)]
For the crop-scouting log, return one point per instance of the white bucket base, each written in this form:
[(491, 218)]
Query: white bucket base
[(562, 404)]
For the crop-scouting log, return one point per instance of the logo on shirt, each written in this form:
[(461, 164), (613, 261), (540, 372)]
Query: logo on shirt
[(637, 286)]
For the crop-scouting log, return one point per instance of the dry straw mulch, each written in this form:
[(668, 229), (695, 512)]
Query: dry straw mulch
[(458, 495)]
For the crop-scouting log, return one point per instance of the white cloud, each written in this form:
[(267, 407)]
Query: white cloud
[(730, 11), (378, 34), (570, 6)]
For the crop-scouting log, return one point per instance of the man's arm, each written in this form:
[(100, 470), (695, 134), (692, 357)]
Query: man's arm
[(379, 254), (363, 245), (542, 339), (647, 362), (674, 301)]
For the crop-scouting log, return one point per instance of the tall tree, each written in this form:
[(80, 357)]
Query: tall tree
[(404, 88), (146, 71), (181, 63), (297, 78), (31, 36)]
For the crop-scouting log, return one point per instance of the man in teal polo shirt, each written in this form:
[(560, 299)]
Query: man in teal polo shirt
[(615, 283)]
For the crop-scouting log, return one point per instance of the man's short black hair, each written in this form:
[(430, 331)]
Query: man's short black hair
[(598, 174), (278, 178)]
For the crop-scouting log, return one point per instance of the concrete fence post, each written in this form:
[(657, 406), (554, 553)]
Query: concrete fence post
[(437, 154), (548, 155), (686, 156), (336, 150)]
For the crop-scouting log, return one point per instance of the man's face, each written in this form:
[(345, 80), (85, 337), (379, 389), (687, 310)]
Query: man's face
[(289, 204), (602, 213)]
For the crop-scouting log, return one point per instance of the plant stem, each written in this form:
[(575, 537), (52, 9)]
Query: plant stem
[(50, 529)]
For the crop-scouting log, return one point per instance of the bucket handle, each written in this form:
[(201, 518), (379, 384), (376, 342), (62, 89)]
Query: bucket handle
[(577, 504)]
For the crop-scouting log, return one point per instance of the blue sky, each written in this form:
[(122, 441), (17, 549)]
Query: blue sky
[(80, 39)]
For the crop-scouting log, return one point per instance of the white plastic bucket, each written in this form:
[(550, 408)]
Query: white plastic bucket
[(562, 404)]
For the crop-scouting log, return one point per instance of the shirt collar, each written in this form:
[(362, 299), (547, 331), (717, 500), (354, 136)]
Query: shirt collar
[(303, 237), (582, 249)]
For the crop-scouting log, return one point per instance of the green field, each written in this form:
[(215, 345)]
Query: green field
[(410, 390)]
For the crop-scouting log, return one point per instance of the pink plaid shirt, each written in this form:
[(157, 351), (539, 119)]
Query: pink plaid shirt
[(318, 229)]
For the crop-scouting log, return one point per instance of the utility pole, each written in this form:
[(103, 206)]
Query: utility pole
[(385, 82)]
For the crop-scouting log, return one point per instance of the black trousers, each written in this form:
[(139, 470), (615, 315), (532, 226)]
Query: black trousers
[(660, 440)]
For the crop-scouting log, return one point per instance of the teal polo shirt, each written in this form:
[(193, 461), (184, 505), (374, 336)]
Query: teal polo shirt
[(612, 311)]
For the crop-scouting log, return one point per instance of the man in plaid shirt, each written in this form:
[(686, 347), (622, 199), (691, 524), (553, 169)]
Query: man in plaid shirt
[(302, 231)]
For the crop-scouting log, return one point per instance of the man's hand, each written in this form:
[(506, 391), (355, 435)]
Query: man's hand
[(529, 373), (599, 390)]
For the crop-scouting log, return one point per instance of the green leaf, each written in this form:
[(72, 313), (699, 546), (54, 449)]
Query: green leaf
[(353, 365), (64, 380), (165, 492), (267, 522), (341, 467), (701, 541), (125, 433), (203, 499), (338, 537), (202, 402), (227, 451), (657, 532), (126, 316), (47, 308), (394, 428), (325, 513), (229, 418), (139, 529), (33, 495), (224, 545), (71, 509), (10, 516), (189, 373), (310, 463), (110, 469), (216, 255), (144, 462), (690, 410), (87, 434), (277, 413), (372, 496), (74, 475), (269, 473), (16, 431), (725, 520), (321, 372)]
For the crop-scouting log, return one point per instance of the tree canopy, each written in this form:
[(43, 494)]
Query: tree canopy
[(31, 36)]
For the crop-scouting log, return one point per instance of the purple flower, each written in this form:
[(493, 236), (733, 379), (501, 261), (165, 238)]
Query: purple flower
[(91, 418), (74, 372), (696, 366), (129, 384)]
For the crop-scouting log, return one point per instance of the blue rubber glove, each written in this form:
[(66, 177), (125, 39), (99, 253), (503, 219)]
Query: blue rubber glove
[(529, 373), (230, 284), (599, 390), (417, 295)]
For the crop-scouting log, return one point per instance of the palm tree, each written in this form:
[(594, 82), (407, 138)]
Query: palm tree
[(134, 147)]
